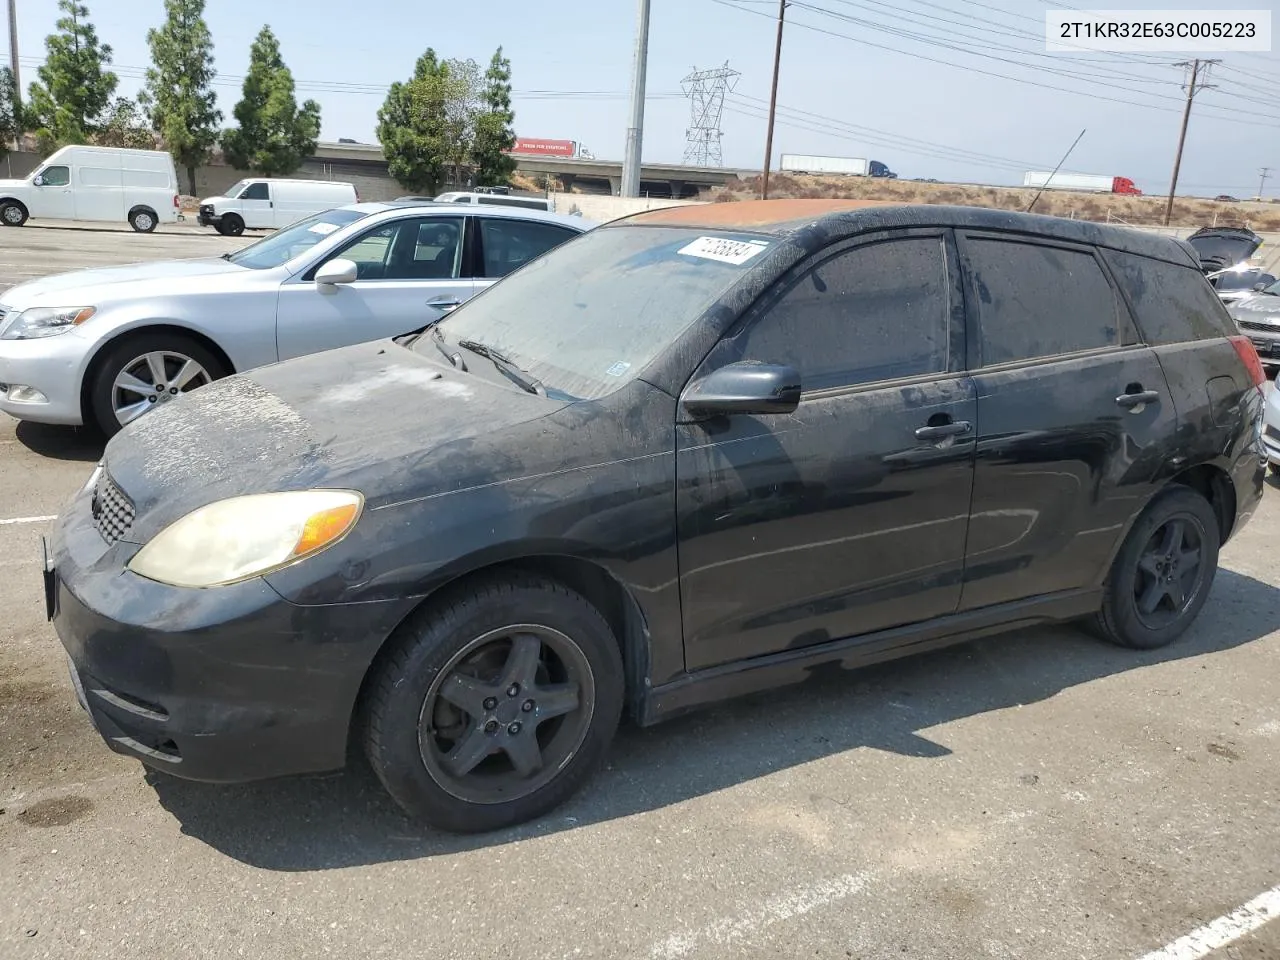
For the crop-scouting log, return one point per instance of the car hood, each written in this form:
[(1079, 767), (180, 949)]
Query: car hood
[(1223, 250), (9, 183), (375, 417), (106, 281), (1257, 307)]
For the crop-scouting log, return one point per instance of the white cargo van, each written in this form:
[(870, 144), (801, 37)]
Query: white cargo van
[(267, 204), (139, 187), (494, 199)]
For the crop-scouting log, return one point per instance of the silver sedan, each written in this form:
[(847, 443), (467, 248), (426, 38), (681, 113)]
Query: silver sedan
[(105, 346)]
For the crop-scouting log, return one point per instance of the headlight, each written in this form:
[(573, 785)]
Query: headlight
[(44, 322), (244, 537)]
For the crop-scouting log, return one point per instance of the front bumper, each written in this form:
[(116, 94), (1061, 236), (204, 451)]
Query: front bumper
[(206, 217), (1271, 425), (52, 365), (227, 684)]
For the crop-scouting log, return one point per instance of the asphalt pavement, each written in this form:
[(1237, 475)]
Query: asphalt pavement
[(1036, 795)]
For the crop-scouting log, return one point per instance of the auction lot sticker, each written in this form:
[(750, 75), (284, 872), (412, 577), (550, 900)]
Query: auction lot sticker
[(725, 250)]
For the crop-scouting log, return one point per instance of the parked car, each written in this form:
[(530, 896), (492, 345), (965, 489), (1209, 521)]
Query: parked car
[(138, 187), (495, 199), (1226, 198), (1222, 247), (1271, 430), (105, 346), (267, 204), (694, 453), (1239, 282), (1258, 318)]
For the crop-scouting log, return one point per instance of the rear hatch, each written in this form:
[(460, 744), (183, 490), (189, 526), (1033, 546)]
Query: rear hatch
[(1222, 247)]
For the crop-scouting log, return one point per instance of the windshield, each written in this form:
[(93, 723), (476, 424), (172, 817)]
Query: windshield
[(1237, 280), (287, 243), (588, 316)]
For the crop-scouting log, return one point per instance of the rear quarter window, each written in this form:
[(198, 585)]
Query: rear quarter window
[(1171, 303)]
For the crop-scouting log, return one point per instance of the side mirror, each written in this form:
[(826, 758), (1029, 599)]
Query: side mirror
[(1261, 286), (337, 271), (38, 181), (747, 387)]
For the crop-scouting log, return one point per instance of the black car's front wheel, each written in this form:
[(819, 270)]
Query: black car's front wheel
[(494, 706), (1161, 577)]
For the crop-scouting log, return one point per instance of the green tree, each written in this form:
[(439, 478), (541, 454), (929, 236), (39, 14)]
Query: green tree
[(273, 135), (411, 127), (124, 125), (10, 111), (180, 103), (494, 134), (75, 88)]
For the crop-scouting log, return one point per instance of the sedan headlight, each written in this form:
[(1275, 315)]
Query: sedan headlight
[(243, 537), (44, 322)]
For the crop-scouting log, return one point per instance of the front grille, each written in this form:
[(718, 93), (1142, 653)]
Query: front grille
[(1264, 327), (1272, 432), (112, 509), (206, 209)]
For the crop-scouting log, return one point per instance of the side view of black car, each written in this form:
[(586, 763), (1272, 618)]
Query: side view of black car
[(692, 454)]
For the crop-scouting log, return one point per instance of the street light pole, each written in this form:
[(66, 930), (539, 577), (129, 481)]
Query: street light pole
[(773, 101), (635, 132)]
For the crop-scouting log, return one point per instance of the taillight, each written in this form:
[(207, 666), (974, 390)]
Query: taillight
[(1249, 357), (176, 202)]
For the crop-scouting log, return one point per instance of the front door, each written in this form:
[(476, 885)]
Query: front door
[(53, 197), (255, 206), (848, 516), (408, 274), (1073, 416)]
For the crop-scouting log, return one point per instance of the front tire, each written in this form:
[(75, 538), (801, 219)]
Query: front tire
[(231, 225), (1162, 575), (144, 371), (495, 705), (13, 213)]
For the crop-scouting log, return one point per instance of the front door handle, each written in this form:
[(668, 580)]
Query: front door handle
[(445, 304), (944, 430), (1141, 398)]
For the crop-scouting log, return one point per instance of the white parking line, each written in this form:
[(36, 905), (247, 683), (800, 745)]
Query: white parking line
[(786, 907), (1216, 934), (26, 520)]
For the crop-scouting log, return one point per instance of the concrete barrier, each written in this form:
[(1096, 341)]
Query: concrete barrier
[(603, 209)]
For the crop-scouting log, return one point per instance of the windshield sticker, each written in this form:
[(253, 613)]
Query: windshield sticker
[(324, 229), (618, 369), (736, 252)]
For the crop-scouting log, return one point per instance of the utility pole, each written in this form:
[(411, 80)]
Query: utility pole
[(13, 52), (1199, 73), (773, 101), (1262, 183), (635, 132)]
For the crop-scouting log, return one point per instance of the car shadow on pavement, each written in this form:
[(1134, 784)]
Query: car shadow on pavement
[(80, 444), (346, 820)]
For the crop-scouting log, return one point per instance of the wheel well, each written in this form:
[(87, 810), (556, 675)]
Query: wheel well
[(596, 585), (1214, 485), (142, 206), (13, 200), (91, 371)]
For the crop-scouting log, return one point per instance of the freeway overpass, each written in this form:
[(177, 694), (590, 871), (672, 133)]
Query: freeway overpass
[(589, 176)]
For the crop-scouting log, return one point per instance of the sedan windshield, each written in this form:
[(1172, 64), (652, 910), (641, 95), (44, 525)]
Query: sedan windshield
[(287, 243), (587, 317)]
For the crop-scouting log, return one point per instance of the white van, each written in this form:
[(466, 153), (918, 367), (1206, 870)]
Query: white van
[(139, 187), (495, 199), (267, 204)]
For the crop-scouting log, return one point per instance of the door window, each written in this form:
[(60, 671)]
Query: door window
[(509, 243), (412, 249), (1037, 300), (255, 191), (56, 176), (876, 312)]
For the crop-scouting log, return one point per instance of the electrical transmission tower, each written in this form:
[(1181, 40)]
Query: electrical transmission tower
[(705, 90)]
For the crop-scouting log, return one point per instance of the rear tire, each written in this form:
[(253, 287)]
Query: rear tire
[(1163, 573), (13, 213), (106, 396), (231, 225), (143, 219), (469, 733)]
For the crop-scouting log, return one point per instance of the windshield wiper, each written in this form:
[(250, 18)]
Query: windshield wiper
[(227, 255), (506, 366)]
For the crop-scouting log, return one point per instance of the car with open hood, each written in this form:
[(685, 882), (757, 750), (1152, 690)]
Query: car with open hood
[(691, 454), (1258, 317)]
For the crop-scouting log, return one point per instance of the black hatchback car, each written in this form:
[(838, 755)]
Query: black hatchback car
[(692, 454)]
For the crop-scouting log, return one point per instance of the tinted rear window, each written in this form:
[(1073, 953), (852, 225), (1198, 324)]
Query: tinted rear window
[(1171, 303)]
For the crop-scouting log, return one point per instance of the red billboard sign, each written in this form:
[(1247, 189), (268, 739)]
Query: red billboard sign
[(533, 147)]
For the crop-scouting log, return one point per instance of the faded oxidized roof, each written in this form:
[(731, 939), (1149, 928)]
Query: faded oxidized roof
[(840, 218)]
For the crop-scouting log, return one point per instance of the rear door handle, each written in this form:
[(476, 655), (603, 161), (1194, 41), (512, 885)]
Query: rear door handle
[(445, 304), (1131, 400), (944, 430)]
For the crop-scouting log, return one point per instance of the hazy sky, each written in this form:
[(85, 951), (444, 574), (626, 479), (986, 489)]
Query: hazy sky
[(870, 93)]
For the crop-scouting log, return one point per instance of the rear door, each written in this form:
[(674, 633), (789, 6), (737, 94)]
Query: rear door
[(504, 244), (1073, 417), (848, 516), (408, 275)]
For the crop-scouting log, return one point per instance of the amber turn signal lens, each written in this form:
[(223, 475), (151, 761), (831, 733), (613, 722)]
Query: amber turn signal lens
[(324, 527)]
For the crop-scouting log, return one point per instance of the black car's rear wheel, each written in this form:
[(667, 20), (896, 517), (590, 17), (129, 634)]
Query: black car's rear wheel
[(494, 706), (1162, 574)]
